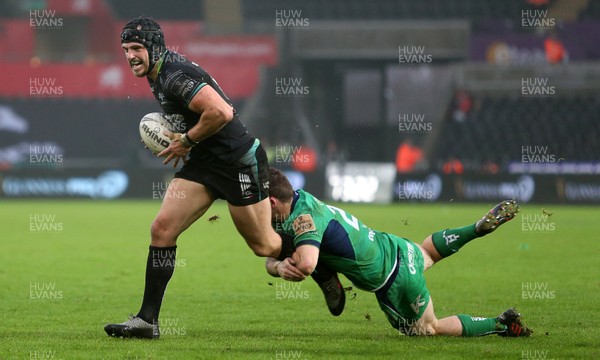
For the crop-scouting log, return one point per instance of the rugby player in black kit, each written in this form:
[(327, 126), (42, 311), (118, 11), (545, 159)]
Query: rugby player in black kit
[(221, 160)]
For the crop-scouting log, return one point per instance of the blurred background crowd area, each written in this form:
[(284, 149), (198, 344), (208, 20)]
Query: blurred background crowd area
[(430, 86)]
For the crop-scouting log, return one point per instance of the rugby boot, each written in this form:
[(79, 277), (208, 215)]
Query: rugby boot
[(498, 215), (332, 288), (135, 327), (514, 326)]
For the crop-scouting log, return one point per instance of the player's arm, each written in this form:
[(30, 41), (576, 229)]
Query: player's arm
[(305, 258), (298, 267), (307, 241), (215, 113), (284, 269)]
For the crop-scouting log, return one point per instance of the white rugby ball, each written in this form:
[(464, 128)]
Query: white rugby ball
[(152, 128)]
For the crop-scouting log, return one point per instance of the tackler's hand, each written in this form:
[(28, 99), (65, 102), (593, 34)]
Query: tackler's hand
[(288, 271)]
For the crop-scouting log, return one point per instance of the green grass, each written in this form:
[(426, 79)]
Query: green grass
[(220, 304)]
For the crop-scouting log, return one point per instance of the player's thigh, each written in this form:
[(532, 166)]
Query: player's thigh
[(411, 294), (408, 308), (428, 261), (430, 250), (253, 222), (427, 324), (184, 202)]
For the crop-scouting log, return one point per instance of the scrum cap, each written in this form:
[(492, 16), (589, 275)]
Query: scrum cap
[(147, 32)]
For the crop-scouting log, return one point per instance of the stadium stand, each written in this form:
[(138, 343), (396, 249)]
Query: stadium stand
[(257, 60), (591, 12), (185, 9), (567, 125), (385, 9)]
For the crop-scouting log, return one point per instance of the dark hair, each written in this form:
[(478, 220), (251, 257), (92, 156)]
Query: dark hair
[(279, 185)]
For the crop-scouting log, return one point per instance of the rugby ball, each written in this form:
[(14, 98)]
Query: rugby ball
[(152, 128)]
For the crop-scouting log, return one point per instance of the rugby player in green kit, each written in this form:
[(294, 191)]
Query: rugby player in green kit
[(385, 264)]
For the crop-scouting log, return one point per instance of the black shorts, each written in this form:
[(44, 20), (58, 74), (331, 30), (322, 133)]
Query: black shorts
[(244, 182)]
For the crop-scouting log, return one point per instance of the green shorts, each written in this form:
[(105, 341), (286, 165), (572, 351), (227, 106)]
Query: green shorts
[(405, 297)]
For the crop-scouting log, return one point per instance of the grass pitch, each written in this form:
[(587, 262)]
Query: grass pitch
[(69, 267)]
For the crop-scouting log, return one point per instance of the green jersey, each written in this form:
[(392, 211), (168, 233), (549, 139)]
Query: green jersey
[(365, 256)]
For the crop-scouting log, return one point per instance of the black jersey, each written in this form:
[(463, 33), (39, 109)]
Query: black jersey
[(177, 82)]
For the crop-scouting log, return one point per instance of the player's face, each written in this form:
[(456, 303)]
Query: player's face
[(137, 58)]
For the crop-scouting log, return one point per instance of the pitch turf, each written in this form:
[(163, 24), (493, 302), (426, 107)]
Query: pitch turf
[(69, 267)]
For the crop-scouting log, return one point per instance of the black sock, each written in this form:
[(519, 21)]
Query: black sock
[(322, 273), (287, 246), (159, 269)]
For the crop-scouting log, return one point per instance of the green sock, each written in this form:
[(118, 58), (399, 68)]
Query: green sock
[(449, 241), (478, 326)]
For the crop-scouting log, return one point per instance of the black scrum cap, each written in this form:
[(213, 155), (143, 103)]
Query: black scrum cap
[(146, 31)]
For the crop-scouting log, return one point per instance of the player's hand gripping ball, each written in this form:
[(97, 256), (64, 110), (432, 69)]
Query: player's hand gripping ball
[(152, 131)]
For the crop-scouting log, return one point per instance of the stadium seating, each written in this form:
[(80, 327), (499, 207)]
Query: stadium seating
[(183, 10), (386, 9), (498, 127), (591, 12)]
